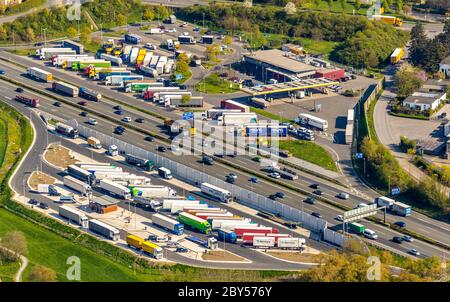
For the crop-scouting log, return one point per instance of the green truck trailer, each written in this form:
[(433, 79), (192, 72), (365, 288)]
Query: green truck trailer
[(194, 222), (356, 227), (83, 65)]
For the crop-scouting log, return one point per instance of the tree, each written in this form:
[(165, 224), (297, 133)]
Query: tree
[(399, 6), (227, 40), (343, 3), (72, 31), (16, 242), (121, 19), (211, 52), (407, 81), (290, 8), (42, 274), (330, 3), (30, 36), (357, 5), (149, 14)]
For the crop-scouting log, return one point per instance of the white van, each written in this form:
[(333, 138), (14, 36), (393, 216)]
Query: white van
[(92, 121), (361, 205), (370, 234), (343, 195)]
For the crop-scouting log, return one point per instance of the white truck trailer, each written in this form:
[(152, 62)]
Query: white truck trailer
[(60, 59), (217, 223), (153, 191), (237, 119), (167, 223), (74, 215), (115, 189), (104, 229), (261, 242), (39, 74), (181, 207), (290, 243), (47, 53), (77, 185), (216, 192), (113, 59), (167, 203), (312, 121)]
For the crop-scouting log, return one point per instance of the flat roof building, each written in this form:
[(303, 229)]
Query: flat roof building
[(103, 204), (424, 100)]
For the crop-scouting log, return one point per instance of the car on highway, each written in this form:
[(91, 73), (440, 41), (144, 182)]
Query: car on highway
[(149, 139), (273, 197), (315, 186), (310, 200), (318, 192), (275, 175), (117, 107), (400, 224), (19, 89), (119, 130), (139, 120), (184, 24), (397, 239), (280, 194), (185, 33), (43, 206), (257, 159), (83, 113), (197, 29), (57, 104), (92, 121), (316, 214), (361, 205), (126, 119), (207, 160), (343, 195), (339, 218), (152, 237), (149, 46), (119, 112), (181, 249), (230, 179), (232, 175), (33, 201), (161, 149), (408, 238), (254, 180), (82, 103), (370, 234), (2, 71), (171, 30), (414, 252)]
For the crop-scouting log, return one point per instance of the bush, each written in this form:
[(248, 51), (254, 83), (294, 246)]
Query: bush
[(407, 144)]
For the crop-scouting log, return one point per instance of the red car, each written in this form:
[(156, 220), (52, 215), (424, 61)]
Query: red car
[(82, 103)]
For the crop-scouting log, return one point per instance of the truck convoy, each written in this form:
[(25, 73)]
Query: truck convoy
[(104, 229), (216, 192), (89, 94), (73, 215), (66, 130), (194, 222), (168, 224), (28, 101), (115, 189), (65, 88), (393, 206), (148, 247), (77, 185), (312, 121), (39, 74), (139, 162)]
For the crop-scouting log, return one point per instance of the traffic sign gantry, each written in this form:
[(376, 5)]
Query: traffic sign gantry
[(359, 213)]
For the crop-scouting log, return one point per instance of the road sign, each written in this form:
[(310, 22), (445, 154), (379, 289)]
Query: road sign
[(359, 155), (359, 213), (188, 115), (395, 191), (178, 76)]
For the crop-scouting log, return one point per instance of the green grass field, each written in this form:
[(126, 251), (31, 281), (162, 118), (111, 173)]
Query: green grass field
[(3, 140), (8, 271), (270, 115), (310, 152), (214, 84)]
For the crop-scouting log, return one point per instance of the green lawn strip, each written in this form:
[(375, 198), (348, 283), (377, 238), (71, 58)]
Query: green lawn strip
[(272, 116), (23, 51), (316, 46), (8, 271), (214, 84), (3, 140), (310, 152)]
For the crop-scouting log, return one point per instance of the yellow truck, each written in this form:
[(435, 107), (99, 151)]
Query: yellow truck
[(94, 142), (397, 55), (388, 20), (135, 241), (141, 56), (152, 249)]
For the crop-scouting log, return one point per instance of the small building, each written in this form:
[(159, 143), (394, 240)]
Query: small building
[(103, 204), (331, 74), (444, 67), (424, 100)]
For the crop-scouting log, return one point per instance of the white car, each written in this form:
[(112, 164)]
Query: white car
[(339, 218), (126, 119), (361, 205), (162, 239), (185, 33), (343, 195), (149, 46), (408, 238), (92, 121), (171, 30), (414, 252), (370, 234), (275, 175)]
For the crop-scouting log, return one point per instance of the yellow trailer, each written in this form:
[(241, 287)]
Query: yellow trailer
[(135, 241), (141, 56), (397, 55), (152, 249), (388, 20)]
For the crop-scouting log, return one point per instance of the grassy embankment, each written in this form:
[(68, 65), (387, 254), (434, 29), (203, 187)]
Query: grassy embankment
[(214, 84)]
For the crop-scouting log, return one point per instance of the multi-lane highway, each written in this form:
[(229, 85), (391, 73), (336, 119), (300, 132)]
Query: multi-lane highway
[(292, 198)]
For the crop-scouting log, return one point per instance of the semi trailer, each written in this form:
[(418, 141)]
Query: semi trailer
[(168, 224), (77, 185), (216, 192), (65, 88), (32, 102), (66, 130), (73, 215), (194, 222), (139, 162), (39, 74), (104, 229), (81, 174), (89, 94), (115, 189)]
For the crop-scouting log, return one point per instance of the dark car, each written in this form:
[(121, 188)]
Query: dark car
[(183, 87), (57, 104), (83, 113), (207, 160), (318, 192), (315, 214), (43, 205), (162, 149), (397, 239), (152, 237), (119, 130), (117, 107), (140, 120), (254, 180), (310, 200), (19, 89), (315, 186), (119, 112), (82, 103), (149, 139), (181, 249), (230, 180), (279, 194), (400, 224), (2, 71), (273, 197), (33, 201), (38, 44)]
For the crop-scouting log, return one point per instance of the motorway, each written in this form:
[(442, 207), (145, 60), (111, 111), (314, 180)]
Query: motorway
[(292, 198)]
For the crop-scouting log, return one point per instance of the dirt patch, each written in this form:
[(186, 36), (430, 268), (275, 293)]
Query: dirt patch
[(37, 178), (294, 256), (221, 255), (59, 156)]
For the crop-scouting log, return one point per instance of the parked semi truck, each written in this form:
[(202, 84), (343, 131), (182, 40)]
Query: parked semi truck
[(148, 247), (73, 215), (89, 94), (48, 189), (104, 229), (165, 173), (95, 63), (230, 104), (65, 88), (168, 224), (39, 74), (312, 121), (81, 174), (194, 222), (66, 130), (255, 229), (141, 86), (115, 189), (356, 227), (32, 102), (77, 47), (154, 191), (388, 20), (216, 192), (77, 185), (226, 235), (58, 60), (140, 162), (118, 80), (113, 59), (94, 142), (48, 53), (397, 55), (132, 39), (147, 70), (177, 208), (263, 242), (147, 203)]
